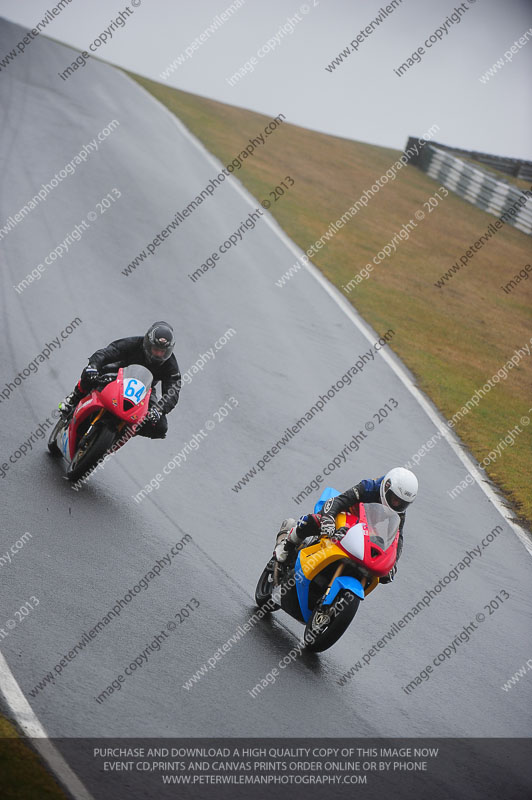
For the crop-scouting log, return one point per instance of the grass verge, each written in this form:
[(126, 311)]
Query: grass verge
[(22, 774)]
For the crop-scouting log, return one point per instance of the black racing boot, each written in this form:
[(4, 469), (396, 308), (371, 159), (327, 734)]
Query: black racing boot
[(67, 406)]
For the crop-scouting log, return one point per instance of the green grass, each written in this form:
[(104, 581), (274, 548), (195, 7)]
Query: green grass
[(22, 774), (452, 339)]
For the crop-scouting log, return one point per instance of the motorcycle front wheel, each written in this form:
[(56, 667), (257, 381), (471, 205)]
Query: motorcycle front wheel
[(326, 625), (87, 457)]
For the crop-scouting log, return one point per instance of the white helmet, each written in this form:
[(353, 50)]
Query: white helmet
[(398, 489)]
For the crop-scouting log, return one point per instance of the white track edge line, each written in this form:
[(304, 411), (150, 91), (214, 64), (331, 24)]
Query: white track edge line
[(32, 728)]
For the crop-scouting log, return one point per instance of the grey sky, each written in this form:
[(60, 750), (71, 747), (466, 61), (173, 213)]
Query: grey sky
[(363, 98)]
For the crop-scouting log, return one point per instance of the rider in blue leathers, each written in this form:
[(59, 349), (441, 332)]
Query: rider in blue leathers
[(395, 490)]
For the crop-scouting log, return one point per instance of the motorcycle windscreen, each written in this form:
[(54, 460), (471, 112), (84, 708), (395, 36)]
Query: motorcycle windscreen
[(383, 524), (136, 381)]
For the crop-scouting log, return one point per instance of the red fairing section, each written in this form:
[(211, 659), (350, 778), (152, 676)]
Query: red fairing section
[(113, 400), (375, 559), (110, 398)]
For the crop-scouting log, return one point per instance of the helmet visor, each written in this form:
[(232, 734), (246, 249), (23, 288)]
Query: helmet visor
[(395, 502), (158, 352)]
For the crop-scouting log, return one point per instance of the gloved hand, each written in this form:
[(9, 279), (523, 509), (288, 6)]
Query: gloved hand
[(340, 533), (154, 415), (327, 528), (89, 374)]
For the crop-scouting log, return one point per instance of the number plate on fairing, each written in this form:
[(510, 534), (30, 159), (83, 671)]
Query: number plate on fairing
[(134, 390)]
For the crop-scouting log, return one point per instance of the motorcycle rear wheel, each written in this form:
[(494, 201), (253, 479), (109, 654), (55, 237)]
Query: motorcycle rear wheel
[(53, 449), (319, 634), (263, 592), (86, 459)]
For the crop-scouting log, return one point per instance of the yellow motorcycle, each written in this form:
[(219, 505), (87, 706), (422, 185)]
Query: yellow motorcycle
[(330, 577)]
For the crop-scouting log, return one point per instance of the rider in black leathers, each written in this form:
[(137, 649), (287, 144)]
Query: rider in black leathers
[(154, 350)]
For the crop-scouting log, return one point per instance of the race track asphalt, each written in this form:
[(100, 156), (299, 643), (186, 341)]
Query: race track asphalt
[(289, 345)]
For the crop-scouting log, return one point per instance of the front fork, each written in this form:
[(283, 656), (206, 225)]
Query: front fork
[(339, 570), (94, 421), (82, 442), (86, 436)]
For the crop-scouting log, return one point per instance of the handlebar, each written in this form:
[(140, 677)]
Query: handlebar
[(107, 377)]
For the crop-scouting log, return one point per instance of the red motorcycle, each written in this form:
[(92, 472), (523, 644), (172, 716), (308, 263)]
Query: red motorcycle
[(104, 419)]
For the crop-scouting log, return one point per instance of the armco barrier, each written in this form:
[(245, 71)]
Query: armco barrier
[(477, 186), (511, 166)]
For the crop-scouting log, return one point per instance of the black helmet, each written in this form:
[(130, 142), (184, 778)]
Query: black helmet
[(159, 343)]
